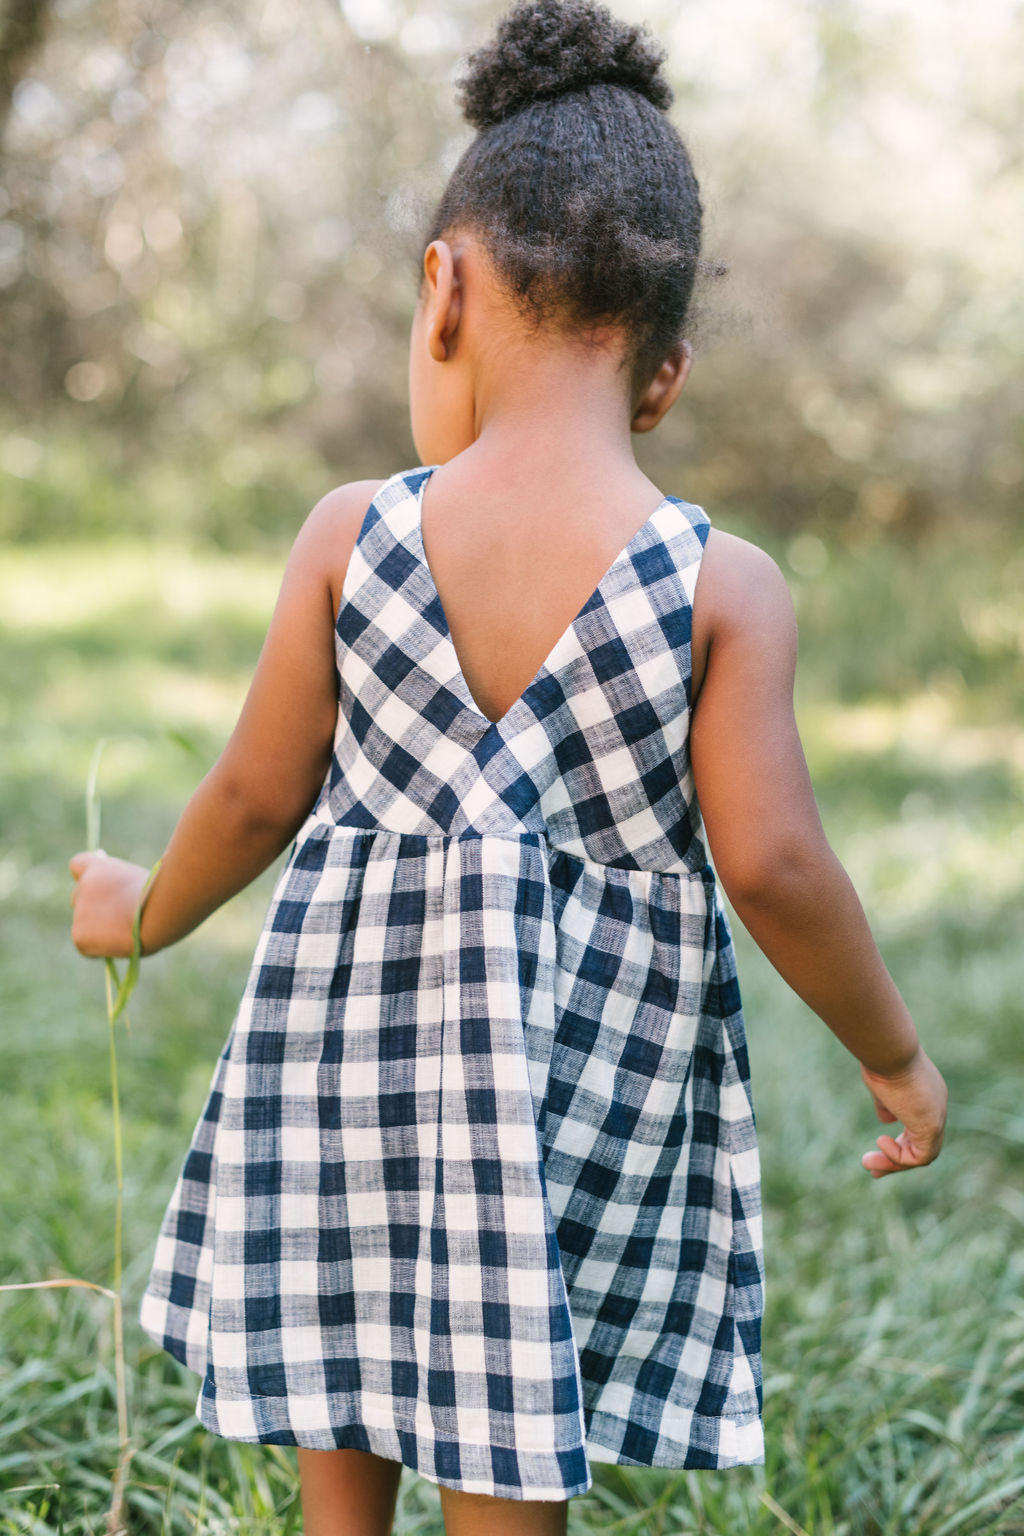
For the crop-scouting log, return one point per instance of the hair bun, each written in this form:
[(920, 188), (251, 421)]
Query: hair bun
[(543, 48)]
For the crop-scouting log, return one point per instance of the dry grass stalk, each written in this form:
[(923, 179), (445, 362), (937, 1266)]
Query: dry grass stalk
[(118, 992)]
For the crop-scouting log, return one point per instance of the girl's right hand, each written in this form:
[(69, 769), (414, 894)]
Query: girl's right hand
[(917, 1096), (105, 899)]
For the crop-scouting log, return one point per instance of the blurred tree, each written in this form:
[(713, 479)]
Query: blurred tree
[(22, 23), (209, 225)]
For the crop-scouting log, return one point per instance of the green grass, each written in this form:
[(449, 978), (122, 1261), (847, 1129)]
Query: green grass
[(894, 1327)]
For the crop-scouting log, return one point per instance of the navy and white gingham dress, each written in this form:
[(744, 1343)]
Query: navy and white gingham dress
[(476, 1185)]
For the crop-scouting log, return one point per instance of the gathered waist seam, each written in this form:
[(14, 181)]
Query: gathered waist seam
[(540, 839)]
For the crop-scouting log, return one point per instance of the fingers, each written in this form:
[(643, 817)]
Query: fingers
[(918, 1098), (104, 900), (884, 1161), (79, 862), (897, 1153)]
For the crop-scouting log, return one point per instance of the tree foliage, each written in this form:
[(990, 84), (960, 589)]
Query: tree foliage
[(209, 225)]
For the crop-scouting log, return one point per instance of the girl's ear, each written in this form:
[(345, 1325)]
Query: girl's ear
[(443, 299), (663, 390)]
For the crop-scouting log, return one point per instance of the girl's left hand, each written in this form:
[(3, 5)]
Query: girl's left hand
[(105, 899)]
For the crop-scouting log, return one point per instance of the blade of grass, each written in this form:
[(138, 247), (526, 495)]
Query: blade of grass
[(780, 1514), (131, 975), (92, 804), (117, 994), (93, 824), (165, 1521), (185, 742), (992, 1496)]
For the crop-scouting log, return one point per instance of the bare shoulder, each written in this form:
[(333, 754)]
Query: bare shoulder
[(739, 580), (328, 535), (340, 513), (741, 594)]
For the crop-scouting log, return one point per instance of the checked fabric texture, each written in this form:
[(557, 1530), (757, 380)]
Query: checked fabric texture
[(476, 1184)]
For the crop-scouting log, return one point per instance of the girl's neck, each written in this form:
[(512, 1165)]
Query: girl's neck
[(531, 456)]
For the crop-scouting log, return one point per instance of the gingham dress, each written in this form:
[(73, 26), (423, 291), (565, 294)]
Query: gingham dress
[(476, 1185)]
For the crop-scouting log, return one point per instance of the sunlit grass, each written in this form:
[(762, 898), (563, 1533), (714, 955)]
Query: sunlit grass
[(894, 1333), (118, 990)]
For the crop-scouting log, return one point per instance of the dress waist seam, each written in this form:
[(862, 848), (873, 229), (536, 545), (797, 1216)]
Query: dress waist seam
[(525, 835)]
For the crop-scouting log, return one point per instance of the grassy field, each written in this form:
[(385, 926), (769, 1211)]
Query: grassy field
[(894, 1329)]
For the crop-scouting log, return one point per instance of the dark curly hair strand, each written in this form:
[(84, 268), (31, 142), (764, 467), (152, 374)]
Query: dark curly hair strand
[(578, 184)]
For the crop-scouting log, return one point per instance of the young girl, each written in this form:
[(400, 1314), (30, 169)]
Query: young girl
[(476, 1186)]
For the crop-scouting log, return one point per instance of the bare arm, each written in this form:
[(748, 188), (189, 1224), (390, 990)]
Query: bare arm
[(255, 798), (762, 823)]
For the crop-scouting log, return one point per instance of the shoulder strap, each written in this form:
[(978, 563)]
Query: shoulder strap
[(376, 538)]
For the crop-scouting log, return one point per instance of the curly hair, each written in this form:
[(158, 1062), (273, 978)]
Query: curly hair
[(577, 183)]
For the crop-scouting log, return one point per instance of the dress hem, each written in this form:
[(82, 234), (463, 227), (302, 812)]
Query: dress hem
[(391, 1444), (387, 1442)]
